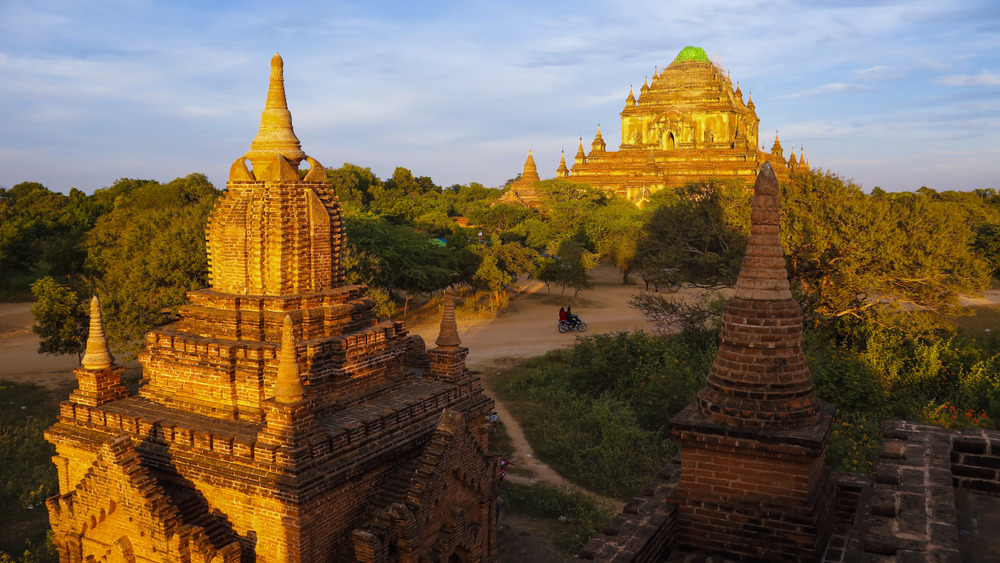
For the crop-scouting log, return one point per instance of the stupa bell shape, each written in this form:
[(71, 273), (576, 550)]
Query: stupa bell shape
[(97, 355), (275, 136)]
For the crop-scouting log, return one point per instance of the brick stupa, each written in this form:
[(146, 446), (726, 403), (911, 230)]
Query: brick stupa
[(278, 420), (753, 484)]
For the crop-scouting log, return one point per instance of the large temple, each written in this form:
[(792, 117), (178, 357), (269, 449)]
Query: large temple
[(278, 420), (688, 124)]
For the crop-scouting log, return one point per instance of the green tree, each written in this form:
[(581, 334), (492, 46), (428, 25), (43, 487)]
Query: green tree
[(397, 258), (850, 254), (567, 269), (147, 253), (354, 186), (986, 245), (60, 318), (696, 237)]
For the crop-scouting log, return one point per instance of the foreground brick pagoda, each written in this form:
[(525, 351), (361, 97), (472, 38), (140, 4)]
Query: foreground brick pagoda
[(278, 419), (688, 124)]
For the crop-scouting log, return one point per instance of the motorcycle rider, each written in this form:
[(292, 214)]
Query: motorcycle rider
[(573, 319), (562, 314)]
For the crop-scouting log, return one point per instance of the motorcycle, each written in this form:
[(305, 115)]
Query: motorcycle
[(572, 324)]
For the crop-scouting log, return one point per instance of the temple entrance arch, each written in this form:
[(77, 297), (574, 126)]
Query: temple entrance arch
[(669, 142)]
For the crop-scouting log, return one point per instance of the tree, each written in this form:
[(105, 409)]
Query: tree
[(853, 255), (354, 186), (567, 269), (986, 244), (696, 237), (147, 253), (60, 318), (617, 229), (397, 258)]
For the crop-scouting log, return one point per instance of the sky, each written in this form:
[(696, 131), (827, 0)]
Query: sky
[(895, 94)]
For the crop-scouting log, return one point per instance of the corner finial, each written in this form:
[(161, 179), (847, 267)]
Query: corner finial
[(97, 356), (448, 337), (288, 388)]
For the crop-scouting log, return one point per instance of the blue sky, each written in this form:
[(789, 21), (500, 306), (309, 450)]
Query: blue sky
[(897, 94)]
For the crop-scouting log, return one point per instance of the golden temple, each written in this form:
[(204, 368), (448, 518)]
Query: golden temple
[(688, 124)]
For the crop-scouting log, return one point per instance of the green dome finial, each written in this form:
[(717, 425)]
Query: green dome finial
[(690, 53)]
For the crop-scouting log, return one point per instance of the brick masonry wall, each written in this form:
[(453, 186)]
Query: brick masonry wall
[(911, 516), (645, 529), (975, 460)]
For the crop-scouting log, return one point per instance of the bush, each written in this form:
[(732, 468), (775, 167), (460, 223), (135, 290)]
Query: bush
[(27, 476), (598, 412), (582, 512)]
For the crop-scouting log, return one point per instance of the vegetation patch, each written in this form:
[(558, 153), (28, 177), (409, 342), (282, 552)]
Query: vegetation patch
[(582, 515), (27, 475)]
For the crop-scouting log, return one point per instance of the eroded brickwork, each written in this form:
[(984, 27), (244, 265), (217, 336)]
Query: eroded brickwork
[(278, 415)]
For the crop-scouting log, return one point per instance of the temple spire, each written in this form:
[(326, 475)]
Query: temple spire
[(763, 275), (275, 136), (562, 171), (448, 336), (97, 356), (598, 145), (288, 388), (760, 377), (581, 157), (530, 173)]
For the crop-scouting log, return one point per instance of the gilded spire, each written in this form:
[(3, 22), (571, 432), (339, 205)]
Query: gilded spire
[(530, 172), (275, 136), (562, 171), (598, 145), (738, 93), (750, 101), (288, 388), (448, 337), (630, 100), (97, 356), (802, 159), (580, 158), (776, 147)]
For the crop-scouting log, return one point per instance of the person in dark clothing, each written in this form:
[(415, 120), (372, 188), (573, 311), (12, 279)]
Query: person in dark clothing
[(571, 317)]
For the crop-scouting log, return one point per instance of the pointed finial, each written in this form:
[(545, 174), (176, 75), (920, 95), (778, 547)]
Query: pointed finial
[(275, 136), (288, 388), (763, 276), (97, 356), (448, 337)]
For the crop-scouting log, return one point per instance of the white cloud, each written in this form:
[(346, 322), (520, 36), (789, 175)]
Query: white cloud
[(984, 78), (831, 88)]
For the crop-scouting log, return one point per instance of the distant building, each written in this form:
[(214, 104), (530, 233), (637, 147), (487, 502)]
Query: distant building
[(688, 124), (278, 420)]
